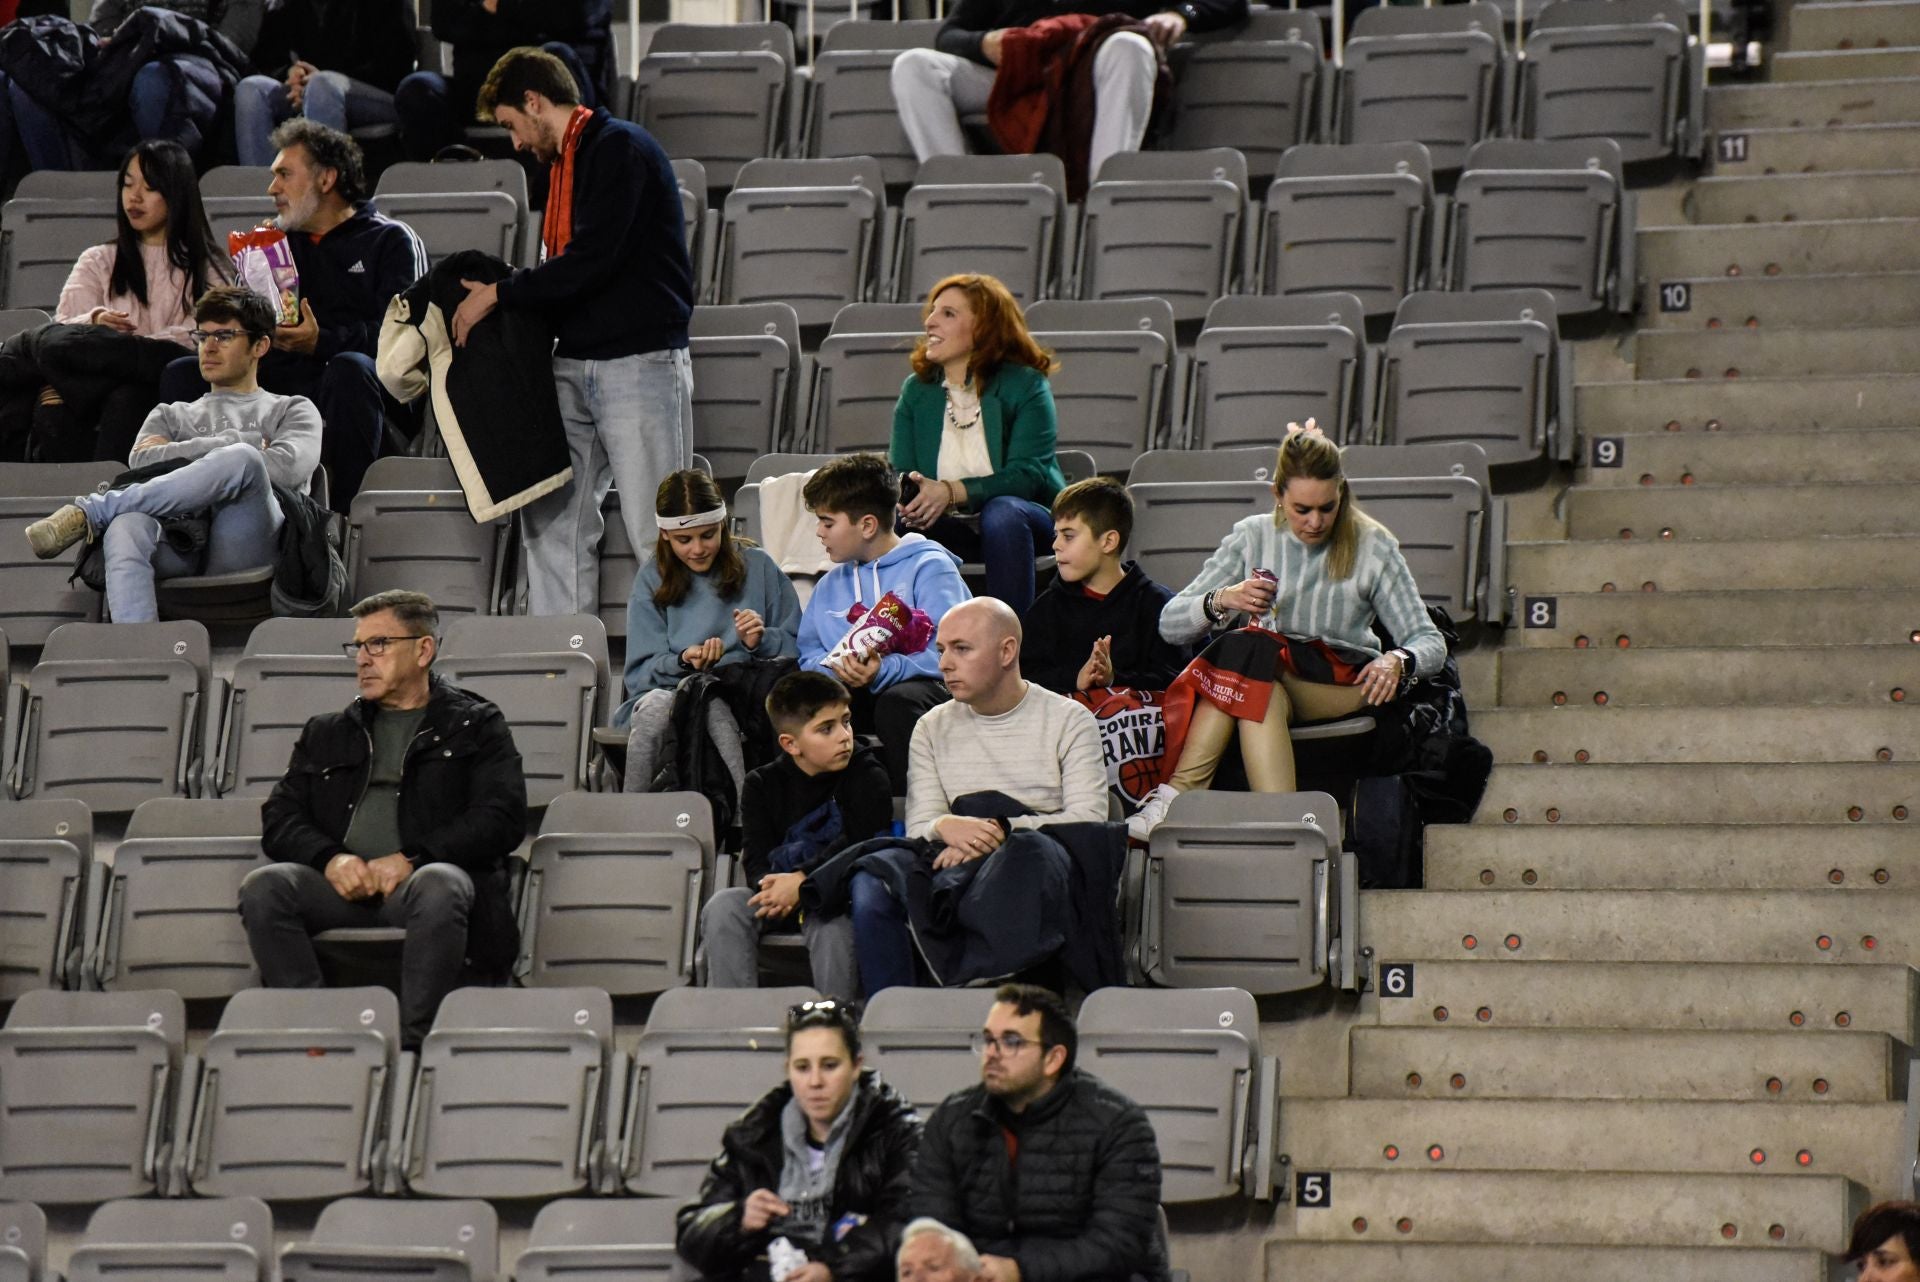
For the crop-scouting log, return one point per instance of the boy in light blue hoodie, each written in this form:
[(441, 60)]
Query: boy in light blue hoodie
[(854, 500)]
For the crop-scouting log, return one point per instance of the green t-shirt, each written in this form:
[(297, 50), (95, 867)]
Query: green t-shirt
[(375, 830)]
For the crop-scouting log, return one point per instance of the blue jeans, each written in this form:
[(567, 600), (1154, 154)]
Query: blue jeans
[(882, 944), (1011, 532), (232, 480), (629, 422), (431, 117), (332, 99)]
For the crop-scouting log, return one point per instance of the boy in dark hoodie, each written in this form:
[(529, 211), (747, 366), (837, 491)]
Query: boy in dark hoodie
[(1099, 623), (825, 792)]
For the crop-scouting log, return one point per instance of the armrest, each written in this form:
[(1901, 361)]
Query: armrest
[(619, 1068), (174, 1183), (399, 1109), (208, 780), (1266, 1134)]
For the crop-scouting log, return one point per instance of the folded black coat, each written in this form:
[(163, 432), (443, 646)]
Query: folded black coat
[(84, 364), (494, 399)]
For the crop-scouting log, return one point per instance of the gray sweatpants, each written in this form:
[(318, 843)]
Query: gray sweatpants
[(732, 939)]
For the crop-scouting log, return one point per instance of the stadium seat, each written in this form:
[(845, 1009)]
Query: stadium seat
[(112, 714), (166, 912), (1438, 76), (46, 854), (1438, 501), (849, 106), (705, 1056), (41, 238), (1543, 215), (614, 889), (746, 384), (549, 677), (600, 1240), (229, 214), (1623, 70), (358, 1239), (1192, 1060), (235, 180), (85, 1083), (534, 1064), (229, 1239), (291, 671), (61, 184), (15, 320), (410, 528), (1003, 216), (917, 1040), (806, 232), (23, 1242), (1115, 379), (1164, 224), (36, 596), (1261, 362), (691, 177), (717, 93), (857, 376), (1235, 463), (292, 1095), (1178, 525), (1349, 220), (480, 204), (1254, 88)]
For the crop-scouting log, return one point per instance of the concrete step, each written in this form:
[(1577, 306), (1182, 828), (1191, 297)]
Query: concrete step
[(1776, 353), (1880, 858), (1809, 105), (1748, 404), (1842, 676), (1780, 249), (1863, 1142), (1820, 149), (1561, 1063), (1854, 24), (1717, 458), (1784, 302), (1841, 616), (1849, 64), (1617, 736), (1609, 1208), (1876, 561), (1465, 1262), (1703, 793), (1710, 996), (1730, 513), (1774, 926), (1793, 198)]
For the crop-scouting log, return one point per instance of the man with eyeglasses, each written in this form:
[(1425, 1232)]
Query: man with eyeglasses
[(400, 811), (1053, 1174), (237, 443)]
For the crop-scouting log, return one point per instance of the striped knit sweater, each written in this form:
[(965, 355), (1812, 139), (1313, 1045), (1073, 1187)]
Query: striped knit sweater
[(1311, 603)]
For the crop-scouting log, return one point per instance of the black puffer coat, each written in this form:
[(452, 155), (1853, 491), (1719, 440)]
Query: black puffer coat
[(872, 1181), (1081, 1204)]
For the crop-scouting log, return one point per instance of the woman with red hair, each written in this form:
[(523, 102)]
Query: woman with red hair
[(973, 434)]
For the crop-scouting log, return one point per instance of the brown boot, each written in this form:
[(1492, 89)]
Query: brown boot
[(55, 534)]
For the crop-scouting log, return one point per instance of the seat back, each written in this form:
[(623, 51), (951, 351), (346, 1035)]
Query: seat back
[(998, 215), (229, 214), (41, 238), (917, 1040), (1115, 361), (1624, 82), (801, 231), (359, 1239), (36, 596), (23, 1241), (1241, 463), (746, 372), (62, 184), (1538, 215), (597, 1240), (15, 320), (716, 93), (549, 677), (691, 177), (404, 532), (850, 109), (1433, 76), (1348, 220), (1254, 89), (1177, 525), (274, 693), (1165, 225), (1440, 523), (856, 383), (1481, 370), (46, 853), (414, 177), (1260, 363), (448, 222), (237, 180), (216, 1240)]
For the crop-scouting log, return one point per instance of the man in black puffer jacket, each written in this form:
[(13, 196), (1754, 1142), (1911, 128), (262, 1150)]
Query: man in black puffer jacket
[(1053, 1174)]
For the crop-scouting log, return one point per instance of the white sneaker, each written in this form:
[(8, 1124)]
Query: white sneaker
[(1142, 822)]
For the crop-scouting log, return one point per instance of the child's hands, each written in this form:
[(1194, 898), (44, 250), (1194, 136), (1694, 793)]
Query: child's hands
[(1097, 671), (705, 655), (779, 894), (751, 628)]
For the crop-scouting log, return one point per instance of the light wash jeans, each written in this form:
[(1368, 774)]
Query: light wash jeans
[(629, 422), (232, 480), (332, 98)]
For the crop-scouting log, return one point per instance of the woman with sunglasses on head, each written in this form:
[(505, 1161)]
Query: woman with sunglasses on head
[(820, 1166)]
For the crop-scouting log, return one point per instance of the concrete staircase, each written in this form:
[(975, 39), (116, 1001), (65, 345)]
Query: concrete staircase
[(1651, 1018)]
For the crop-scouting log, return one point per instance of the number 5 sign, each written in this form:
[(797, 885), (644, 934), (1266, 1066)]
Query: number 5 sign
[(1313, 1190)]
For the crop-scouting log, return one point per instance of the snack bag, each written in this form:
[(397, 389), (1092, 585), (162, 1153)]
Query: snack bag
[(263, 263), (890, 627)]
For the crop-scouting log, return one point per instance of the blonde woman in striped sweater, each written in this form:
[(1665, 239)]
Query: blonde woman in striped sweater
[(1334, 571)]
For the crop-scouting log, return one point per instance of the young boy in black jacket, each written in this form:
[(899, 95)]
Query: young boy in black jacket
[(824, 793), (1099, 623)]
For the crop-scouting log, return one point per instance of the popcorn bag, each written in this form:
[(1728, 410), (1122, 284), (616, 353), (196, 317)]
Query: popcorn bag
[(890, 627), (263, 263)]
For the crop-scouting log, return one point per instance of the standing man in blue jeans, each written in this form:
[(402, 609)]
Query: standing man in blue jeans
[(616, 286), (332, 63)]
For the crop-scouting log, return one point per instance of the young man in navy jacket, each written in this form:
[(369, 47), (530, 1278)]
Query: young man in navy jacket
[(616, 285)]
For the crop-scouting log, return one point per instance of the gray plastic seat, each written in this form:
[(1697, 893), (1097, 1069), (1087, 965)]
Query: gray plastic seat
[(917, 1039), (41, 238), (1439, 508), (1111, 391), (168, 907), (292, 670), (359, 1239), (23, 1242), (14, 320), (415, 177), (614, 889), (1626, 80), (1192, 1061), (850, 109), (717, 93), (1474, 367), (857, 376), (60, 184), (1164, 224), (448, 222), (85, 1081), (1236, 463), (46, 855), (746, 378), (237, 180), (229, 1239), (691, 177), (1348, 220), (706, 1054), (409, 527), (1254, 88), (532, 1063), (112, 714), (228, 214), (292, 1093), (998, 215), (1540, 215), (1435, 76), (1260, 363), (599, 1240), (1178, 525), (804, 232), (549, 677), (35, 595)]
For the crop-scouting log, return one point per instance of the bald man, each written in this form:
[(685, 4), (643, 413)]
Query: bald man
[(1000, 734)]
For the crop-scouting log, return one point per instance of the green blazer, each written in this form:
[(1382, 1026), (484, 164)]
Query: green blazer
[(1016, 413)]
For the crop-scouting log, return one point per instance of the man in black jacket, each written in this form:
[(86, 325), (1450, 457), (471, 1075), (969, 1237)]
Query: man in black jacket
[(1053, 1174), (400, 811), (337, 64)]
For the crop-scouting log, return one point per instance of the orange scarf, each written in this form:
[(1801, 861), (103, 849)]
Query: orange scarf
[(557, 231)]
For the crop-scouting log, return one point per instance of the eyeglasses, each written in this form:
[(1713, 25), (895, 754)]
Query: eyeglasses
[(823, 1010), (1009, 1045), (220, 337), (375, 646)]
